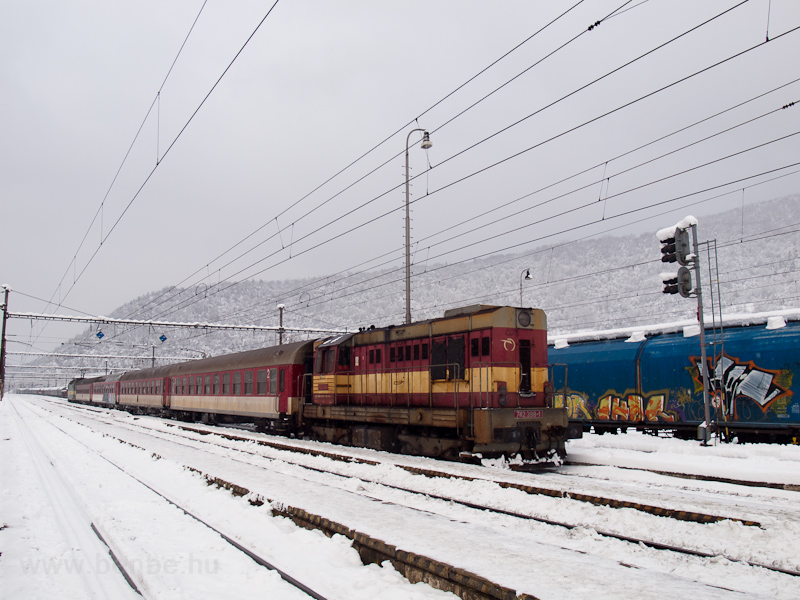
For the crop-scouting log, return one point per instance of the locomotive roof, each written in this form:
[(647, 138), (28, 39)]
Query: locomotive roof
[(293, 353), (456, 320)]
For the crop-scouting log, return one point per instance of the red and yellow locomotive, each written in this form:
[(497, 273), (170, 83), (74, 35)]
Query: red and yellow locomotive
[(474, 381)]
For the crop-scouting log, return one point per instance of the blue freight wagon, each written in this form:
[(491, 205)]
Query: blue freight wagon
[(654, 382)]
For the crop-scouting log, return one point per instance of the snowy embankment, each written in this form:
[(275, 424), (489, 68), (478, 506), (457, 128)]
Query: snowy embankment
[(170, 556)]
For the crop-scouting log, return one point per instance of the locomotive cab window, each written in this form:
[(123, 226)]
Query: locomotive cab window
[(343, 364)]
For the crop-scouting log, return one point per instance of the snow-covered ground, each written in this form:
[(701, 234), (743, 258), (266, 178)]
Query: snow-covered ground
[(59, 477)]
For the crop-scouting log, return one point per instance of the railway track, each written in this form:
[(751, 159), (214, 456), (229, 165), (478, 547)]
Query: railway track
[(597, 500), (217, 436), (259, 560), (697, 477)]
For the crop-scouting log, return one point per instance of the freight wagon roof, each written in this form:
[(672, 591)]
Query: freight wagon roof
[(293, 353), (688, 328)]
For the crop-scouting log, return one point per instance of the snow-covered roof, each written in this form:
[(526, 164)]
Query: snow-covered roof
[(639, 331), (669, 232)]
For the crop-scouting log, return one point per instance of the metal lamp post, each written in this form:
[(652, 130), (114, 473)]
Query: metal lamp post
[(426, 143), (527, 273)]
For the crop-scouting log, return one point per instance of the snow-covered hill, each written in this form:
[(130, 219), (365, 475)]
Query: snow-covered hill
[(594, 283)]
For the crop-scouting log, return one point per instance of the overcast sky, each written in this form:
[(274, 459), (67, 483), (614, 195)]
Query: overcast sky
[(322, 83)]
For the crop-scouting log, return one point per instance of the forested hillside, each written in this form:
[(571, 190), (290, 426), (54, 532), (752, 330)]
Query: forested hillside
[(595, 283)]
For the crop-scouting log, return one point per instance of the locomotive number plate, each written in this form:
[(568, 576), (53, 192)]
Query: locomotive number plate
[(528, 414)]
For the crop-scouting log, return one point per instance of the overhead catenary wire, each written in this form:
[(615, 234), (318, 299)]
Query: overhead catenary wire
[(350, 270), (386, 139), (703, 70), (472, 258), (122, 164), (171, 145)]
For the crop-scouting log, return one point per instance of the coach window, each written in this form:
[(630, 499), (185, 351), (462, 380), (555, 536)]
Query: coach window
[(216, 384), (416, 351), (424, 351), (208, 385), (282, 381), (408, 353), (391, 354), (237, 383), (261, 382), (226, 383), (191, 385), (183, 386), (248, 383), (273, 382), (378, 356), (372, 357)]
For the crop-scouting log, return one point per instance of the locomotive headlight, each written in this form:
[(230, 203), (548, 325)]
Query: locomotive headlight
[(524, 318)]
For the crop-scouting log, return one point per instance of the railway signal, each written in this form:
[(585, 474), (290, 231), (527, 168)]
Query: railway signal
[(678, 283), (675, 247)]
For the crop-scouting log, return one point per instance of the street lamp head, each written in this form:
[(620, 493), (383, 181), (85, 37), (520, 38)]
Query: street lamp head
[(426, 141), (528, 274)]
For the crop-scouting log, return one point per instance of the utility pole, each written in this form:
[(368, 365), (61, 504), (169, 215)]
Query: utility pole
[(705, 374), (426, 143), (280, 328), (3, 343)]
